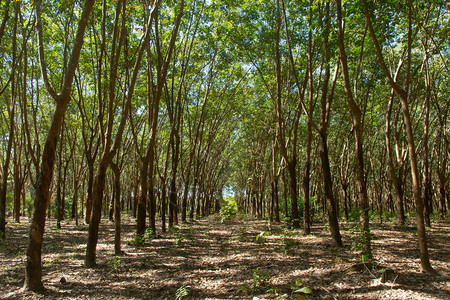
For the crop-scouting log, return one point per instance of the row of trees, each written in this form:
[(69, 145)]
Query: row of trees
[(156, 108)]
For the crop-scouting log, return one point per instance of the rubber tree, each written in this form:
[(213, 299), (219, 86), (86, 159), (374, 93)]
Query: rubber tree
[(357, 115), (33, 270), (157, 75), (10, 108), (402, 93), (326, 98), (110, 147)]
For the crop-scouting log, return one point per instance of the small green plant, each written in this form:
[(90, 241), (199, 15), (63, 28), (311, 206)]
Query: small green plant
[(261, 237), (149, 234), (115, 263), (361, 241), (300, 290), (139, 240), (260, 278), (179, 239), (245, 289), (182, 291)]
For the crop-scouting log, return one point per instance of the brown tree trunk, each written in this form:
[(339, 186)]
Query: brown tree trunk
[(94, 222), (328, 189), (396, 180), (358, 130), (110, 149), (403, 95), (33, 270), (11, 113), (117, 210), (90, 193), (275, 210), (427, 196), (306, 183)]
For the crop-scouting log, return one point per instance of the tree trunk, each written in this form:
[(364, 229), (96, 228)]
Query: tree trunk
[(33, 270), (117, 210), (11, 137), (306, 184), (328, 188), (275, 210), (358, 130), (396, 180), (142, 197), (94, 222), (90, 193), (422, 238), (427, 196)]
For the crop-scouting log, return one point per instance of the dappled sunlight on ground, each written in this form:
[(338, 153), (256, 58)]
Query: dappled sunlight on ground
[(231, 260)]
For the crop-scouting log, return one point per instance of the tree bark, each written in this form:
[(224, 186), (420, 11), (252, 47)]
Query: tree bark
[(328, 189), (117, 209), (11, 113), (358, 130), (403, 95), (33, 270)]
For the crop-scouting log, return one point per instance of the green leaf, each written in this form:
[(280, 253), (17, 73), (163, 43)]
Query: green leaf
[(298, 282), (304, 290), (301, 297)]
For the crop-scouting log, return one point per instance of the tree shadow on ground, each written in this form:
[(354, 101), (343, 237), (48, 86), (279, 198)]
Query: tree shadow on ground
[(214, 260)]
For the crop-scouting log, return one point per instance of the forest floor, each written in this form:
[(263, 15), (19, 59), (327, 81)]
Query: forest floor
[(240, 259)]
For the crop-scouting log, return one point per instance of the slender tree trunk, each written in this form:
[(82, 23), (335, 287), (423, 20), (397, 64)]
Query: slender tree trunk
[(187, 182), (358, 130), (403, 95), (90, 187), (275, 207), (328, 188), (306, 184), (194, 195), (18, 185), (396, 180), (427, 196), (33, 270), (151, 192), (11, 137), (75, 201), (117, 210), (110, 149), (94, 222), (142, 197)]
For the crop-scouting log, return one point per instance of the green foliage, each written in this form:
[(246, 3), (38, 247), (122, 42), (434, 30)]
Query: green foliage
[(300, 290), (149, 234), (179, 238), (354, 215), (228, 210), (361, 241), (139, 240), (182, 291), (288, 242), (261, 237), (115, 263), (259, 279)]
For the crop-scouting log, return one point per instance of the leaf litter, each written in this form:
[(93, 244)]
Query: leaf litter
[(238, 259)]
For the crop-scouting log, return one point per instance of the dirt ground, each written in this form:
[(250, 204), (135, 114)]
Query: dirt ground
[(239, 259)]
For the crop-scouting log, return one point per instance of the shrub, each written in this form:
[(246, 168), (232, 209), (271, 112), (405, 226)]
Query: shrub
[(228, 210)]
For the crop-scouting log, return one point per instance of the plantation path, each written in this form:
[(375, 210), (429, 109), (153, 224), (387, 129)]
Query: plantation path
[(240, 259)]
